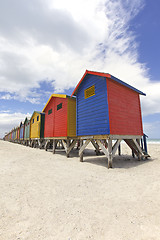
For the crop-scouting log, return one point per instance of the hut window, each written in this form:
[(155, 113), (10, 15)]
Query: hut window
[(50, 111), (37, 118), (89, 92), (33, 120), (59, 106)]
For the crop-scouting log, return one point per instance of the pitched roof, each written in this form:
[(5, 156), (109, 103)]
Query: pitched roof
[(107, 75), (55, 95), (36, 112), (26, 119)]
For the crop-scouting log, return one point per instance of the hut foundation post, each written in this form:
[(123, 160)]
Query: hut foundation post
[(135, 146), (96, 147), (140, 152), (119, 150), (67, 149), (110, 153), (46, 145), (81, 151), (70, 146), (54, 146), (39, 143)]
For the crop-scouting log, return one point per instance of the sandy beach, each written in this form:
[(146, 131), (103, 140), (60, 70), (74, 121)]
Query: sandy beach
[(49, 197)]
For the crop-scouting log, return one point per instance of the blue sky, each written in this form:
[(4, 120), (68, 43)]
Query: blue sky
[(46, 47)]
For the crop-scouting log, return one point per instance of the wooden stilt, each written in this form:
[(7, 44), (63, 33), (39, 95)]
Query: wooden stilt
[(116, 145), (109, 153), (119, 150), (140, 152), (54, 146), (40, 144), (102, 147), (46, 145), (96, 146), (71, 146), (81, 153), (67, 152)]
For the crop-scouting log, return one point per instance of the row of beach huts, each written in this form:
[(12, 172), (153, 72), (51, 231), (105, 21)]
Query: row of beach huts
[(102, 110)]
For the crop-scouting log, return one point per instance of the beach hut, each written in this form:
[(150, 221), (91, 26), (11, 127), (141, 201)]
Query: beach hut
[(37, 129), (109, 109), (60, 121), (21, 132), (18, 134), (26, 131), (12, 135)]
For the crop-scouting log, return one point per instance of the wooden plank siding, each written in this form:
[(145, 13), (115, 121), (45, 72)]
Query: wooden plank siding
[(60, 116), (18, 133), (124, 110), (71, 117), (37, 125), (107, 106), (22, 131), (26, 129), (92, 112), (49, 119)]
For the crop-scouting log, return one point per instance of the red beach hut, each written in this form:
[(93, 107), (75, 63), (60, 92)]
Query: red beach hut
[(60, 116), (60, 122)]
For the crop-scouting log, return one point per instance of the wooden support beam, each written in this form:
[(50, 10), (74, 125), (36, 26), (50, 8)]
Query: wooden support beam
[(64, 144), (131, 144), (40, 143), (81, 153), (140, 152), (106, 143), (46, 145), (71, 146), (54, 146), (137, 146), (110, 157), (84, 146), (119, 150), (67, 147), (116, 145), (102, 147), (95, 146)]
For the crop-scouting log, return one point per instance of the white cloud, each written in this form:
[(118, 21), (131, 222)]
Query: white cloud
[(58, 40), (10, 120)]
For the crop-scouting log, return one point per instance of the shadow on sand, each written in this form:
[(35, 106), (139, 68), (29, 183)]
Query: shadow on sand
[(123, 161)]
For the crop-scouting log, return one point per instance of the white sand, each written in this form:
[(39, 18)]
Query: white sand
[(49, 197)]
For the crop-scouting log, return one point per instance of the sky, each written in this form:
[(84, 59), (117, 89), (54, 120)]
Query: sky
[(46, 46)]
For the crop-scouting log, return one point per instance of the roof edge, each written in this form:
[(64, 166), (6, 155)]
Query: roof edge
[(55, 95), (127, 85), (107, 75)]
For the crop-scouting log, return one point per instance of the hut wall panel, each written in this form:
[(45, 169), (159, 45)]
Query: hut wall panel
[(22, 132), (42, 125), (92, 113), (18, 133), (27, 130), (60, 120), (124, 110), (49, 119), (35, 127), (71, 122)]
